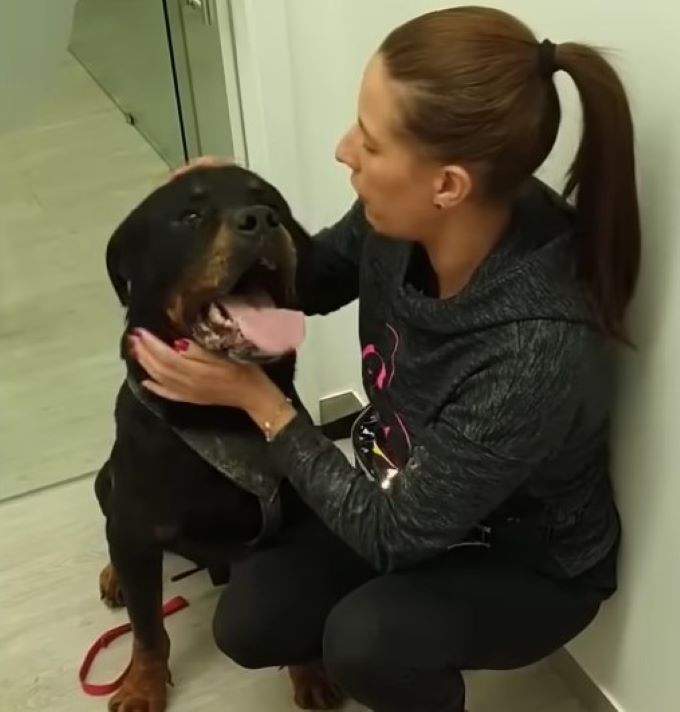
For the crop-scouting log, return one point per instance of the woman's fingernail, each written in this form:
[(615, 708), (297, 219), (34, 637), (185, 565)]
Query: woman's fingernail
[(181, 345)]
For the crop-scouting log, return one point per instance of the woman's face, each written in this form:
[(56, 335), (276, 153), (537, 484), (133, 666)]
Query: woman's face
[(397, 185)]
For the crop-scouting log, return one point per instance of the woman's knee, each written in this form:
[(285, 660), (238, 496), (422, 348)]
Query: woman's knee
[(241, 636), (263, 631), (371, 651), (355, 645)]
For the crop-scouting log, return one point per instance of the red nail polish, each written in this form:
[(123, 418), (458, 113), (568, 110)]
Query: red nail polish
[(181, 345)]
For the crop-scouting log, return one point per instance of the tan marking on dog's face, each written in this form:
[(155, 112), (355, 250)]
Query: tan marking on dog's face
[(214, 268), (175, 312), (205, 277), (202, 278), (289, 265)]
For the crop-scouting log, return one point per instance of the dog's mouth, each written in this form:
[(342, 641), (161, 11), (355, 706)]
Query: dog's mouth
[(246, 324)]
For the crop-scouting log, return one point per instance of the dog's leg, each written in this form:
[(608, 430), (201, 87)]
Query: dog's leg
[(139, 569), (312, 688), (109, 588)]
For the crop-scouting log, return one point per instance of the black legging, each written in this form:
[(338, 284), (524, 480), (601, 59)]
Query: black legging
[(395, 643)]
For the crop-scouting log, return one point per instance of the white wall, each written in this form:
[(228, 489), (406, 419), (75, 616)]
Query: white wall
[(303, 70), (28, 59)]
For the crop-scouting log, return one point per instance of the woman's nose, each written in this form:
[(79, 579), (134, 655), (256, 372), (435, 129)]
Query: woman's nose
[(344, 152)]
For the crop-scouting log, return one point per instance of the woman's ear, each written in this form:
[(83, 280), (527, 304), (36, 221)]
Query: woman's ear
[(452, 186)]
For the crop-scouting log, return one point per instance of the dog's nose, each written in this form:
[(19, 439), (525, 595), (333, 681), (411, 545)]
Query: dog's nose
[(256, 219)]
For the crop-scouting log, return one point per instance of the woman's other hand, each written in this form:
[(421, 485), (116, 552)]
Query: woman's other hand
[(201, 162)]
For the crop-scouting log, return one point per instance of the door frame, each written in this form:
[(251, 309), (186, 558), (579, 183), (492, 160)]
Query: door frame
[(261, 42), (219, 13)]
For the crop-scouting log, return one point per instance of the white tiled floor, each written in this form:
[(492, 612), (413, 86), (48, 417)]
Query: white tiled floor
[(66, 181), (52, 548)]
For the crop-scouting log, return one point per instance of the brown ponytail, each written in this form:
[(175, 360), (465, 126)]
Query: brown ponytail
[(479, 94), (602, 180)]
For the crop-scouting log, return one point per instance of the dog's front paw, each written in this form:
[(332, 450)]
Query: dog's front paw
[(130, 700), (145, 686), (109, 588), (312, 688)]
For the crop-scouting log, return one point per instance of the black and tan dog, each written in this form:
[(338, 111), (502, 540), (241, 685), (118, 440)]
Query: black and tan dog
[(211, 235)]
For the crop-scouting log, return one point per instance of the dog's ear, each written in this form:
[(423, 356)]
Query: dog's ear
[(119, 256), (115, 267)]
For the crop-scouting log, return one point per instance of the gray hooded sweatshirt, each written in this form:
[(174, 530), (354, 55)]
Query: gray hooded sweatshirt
[(488, 412)]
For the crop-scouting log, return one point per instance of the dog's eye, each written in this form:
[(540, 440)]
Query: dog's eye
[(190, 217)]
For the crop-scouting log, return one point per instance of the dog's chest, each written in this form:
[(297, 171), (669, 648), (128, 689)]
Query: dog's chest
[(241, 457)]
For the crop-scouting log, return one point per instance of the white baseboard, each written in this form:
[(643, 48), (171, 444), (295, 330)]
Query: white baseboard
[(338, 405), (580, 684)]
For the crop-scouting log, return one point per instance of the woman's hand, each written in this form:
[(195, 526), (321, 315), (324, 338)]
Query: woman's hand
[(202, 162), (191, 374)]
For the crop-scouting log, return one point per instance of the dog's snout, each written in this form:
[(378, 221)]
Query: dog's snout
[(256, 219)]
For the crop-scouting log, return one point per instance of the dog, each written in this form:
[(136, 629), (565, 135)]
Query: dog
[(207, 237)]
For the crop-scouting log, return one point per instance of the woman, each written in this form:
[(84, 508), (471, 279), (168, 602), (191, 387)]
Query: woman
[(478, 529)]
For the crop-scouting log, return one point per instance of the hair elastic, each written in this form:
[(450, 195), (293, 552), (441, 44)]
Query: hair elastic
[(547, 61)]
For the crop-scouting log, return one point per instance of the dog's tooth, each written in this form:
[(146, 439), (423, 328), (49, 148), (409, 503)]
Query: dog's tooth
[(219, 316), (214, 312)]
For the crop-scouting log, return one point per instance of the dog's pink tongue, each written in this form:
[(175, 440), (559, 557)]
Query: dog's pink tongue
[(271, 330)]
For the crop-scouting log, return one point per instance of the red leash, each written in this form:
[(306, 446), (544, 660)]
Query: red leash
[(172, 606)]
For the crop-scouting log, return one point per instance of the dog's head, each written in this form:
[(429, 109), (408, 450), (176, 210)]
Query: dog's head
[(211, 240)]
